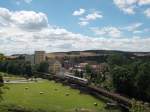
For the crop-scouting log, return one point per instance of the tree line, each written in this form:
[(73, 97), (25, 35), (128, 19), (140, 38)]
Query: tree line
[(23, 68), (130, 77), (16, 67)]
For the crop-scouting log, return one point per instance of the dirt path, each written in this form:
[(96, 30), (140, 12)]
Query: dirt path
[(22, 81)]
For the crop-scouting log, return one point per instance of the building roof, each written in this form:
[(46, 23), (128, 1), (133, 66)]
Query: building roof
[(51, 62)]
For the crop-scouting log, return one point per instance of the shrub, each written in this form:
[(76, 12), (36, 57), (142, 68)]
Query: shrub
[(138, 106)]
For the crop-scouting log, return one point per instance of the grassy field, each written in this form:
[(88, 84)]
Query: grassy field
[(50, 96)]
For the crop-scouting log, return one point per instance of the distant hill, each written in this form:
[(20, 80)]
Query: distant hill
[(97, 53), (91, 53)]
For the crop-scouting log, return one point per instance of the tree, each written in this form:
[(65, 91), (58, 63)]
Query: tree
[(16, 67), (122, 80), (43, 67), (133, 80), (143, 81), (88, 70), (3, 66), (117, 59), (28, 69)]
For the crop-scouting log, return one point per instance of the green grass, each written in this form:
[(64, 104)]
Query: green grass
[(51, 100)]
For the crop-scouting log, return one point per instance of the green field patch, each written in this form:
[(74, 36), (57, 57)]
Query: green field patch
[(50, 96)]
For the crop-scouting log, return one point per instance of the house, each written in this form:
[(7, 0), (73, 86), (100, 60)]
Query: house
[(99, 68), (54, 66)]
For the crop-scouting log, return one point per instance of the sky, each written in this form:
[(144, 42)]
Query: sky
[(71, 25)]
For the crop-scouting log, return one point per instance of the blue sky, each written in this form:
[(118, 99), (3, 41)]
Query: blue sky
[(125, 24)]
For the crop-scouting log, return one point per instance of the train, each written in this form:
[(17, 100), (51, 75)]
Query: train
[(76, 79)]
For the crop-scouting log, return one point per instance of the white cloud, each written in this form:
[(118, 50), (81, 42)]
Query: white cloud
[(17, 36), (132, 27), (90, 17), (147, 12), (130, 6), (107, 31), (144, 2), (5, 13), (85, 20), (93, 16), (126, 6), (83, 23), (28, 20), (79, 12)]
